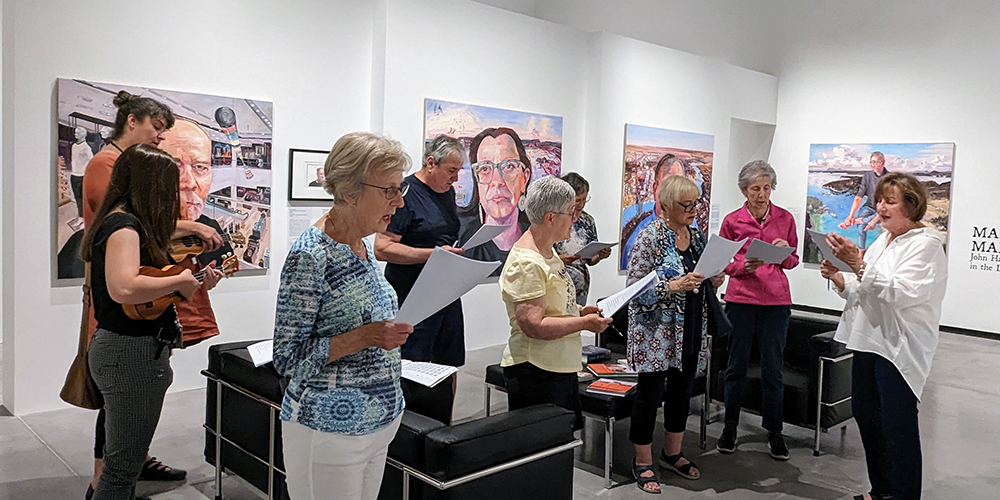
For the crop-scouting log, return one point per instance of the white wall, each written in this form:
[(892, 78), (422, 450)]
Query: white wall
[(471, 53), (313, 61), (645, 84), (932, 80)]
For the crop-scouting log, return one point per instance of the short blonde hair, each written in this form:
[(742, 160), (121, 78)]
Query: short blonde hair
[(675, 188), (357, 155)]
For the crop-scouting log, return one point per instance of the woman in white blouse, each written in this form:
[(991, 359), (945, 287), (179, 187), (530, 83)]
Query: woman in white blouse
[(891, 321)]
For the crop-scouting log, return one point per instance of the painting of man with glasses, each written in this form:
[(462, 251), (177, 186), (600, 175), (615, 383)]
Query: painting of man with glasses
[(507, 150)]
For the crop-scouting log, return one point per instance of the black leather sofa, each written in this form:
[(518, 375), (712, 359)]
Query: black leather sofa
[(816, 375), (490, 458)]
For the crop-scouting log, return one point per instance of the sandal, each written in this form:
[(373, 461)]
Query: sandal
[(642, 482), (670, 462)]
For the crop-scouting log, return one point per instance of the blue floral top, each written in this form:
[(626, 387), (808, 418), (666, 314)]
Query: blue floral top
[(325, 291), (656, 317)]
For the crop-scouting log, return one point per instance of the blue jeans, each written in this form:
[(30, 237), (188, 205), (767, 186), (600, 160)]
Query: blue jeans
[(866, 214), (769, 325), (886, 412)]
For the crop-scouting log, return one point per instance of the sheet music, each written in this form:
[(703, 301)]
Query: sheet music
[(770, 254), (717, 255), (591, 249), (444, 279), (615, 302), (485, 233), (428, 374), (820, 240), (261, 353)]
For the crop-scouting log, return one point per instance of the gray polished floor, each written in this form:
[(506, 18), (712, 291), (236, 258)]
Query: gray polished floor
[(48, 455)]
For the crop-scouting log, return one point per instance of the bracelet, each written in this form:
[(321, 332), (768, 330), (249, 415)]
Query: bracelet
[(861, 270)]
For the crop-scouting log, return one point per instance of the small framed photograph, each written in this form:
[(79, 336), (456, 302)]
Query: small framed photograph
[(305, 175)]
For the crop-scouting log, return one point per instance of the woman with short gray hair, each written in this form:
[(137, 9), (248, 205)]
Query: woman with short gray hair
[(584, 232), (334, 335), (543, 353), (758, 303)]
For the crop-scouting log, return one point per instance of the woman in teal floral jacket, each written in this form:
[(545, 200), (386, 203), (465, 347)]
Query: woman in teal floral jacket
[(667, 328)]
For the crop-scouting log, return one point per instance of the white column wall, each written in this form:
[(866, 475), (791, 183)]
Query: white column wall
[(649, 85), (313, 61)]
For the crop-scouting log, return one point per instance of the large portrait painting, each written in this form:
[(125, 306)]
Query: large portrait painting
[(223, 147), (507, 151), (651, 155), (842, 179)]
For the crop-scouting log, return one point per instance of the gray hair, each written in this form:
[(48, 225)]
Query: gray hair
[(755, 170), (357, 155), (577, 182), (548, 194), (441, 147)]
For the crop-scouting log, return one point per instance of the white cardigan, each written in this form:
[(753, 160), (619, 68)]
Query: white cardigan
[(895, 309)]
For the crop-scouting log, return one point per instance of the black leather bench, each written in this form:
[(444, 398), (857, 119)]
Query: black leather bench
[(490, 458)]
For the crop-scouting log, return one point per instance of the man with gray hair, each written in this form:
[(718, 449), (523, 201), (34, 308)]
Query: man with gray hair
[(429, 219), (863, 213)]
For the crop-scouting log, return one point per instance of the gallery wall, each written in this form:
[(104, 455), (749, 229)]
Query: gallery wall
[(932, 84), (645, 84), (314, 66)]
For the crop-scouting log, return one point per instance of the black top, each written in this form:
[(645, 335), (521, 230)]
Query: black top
[(693, 306), (428, 219), (206, 258), (109, 314)]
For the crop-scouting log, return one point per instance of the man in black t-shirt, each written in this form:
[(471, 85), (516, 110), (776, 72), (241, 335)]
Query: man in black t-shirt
[(429, 219), (863, 213)]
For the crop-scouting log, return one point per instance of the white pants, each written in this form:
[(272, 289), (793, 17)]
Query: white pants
[(324, 465)]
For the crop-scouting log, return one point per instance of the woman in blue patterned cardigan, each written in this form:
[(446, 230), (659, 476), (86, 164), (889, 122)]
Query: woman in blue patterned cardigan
[(334, 337), (666, 328)]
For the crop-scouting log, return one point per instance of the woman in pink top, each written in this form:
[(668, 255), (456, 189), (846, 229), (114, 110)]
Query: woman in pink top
[(758, 303)]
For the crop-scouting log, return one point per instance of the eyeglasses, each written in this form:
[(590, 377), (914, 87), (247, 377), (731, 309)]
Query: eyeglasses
[(390, 192), (509, 169), (571, 214), (688, 207)]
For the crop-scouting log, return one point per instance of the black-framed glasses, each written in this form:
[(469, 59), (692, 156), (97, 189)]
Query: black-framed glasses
[(390, 192), (688, 207), (509, 169)]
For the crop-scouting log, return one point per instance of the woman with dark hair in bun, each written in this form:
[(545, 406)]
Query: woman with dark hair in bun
[(140, 120)]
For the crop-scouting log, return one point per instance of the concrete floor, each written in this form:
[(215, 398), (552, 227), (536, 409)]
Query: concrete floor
[(49, 455)]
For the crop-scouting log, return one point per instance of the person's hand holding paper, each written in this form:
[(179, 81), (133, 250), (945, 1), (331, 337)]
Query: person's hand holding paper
[(443, 280)]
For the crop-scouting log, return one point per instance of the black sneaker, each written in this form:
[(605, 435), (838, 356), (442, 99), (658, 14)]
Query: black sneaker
[(776, 443), (727, 442)]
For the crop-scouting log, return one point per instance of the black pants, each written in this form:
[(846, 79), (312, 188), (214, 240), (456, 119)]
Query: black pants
[(886, 411), (672, 388), (76, 185), (769, 325), (133, 380), (529, 385)]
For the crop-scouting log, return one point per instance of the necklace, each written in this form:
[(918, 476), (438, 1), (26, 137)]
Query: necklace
[(116, 147)]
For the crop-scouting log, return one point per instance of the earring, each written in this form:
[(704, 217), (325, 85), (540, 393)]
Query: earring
[(521, 203)]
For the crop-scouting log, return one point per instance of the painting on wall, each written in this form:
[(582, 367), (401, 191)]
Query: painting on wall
[(507, 151), (840, 197), (651, 155), (223, 145)]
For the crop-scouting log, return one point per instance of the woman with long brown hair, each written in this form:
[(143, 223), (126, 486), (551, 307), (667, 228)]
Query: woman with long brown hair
[(130, 359)]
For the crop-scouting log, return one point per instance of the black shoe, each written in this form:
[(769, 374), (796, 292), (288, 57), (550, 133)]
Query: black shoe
[(777, 445), (90, 492), (155, 470), (727, 442)]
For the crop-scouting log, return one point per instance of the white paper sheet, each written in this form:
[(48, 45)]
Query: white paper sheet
[(445, 278), (717, 255), (261, 353), (485, 233), (428, 374), (591, 249), (820, 240), (770, 254), (615, 302)]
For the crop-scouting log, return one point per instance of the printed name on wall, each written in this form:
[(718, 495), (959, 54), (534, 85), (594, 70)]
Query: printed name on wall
[(985, 254)]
